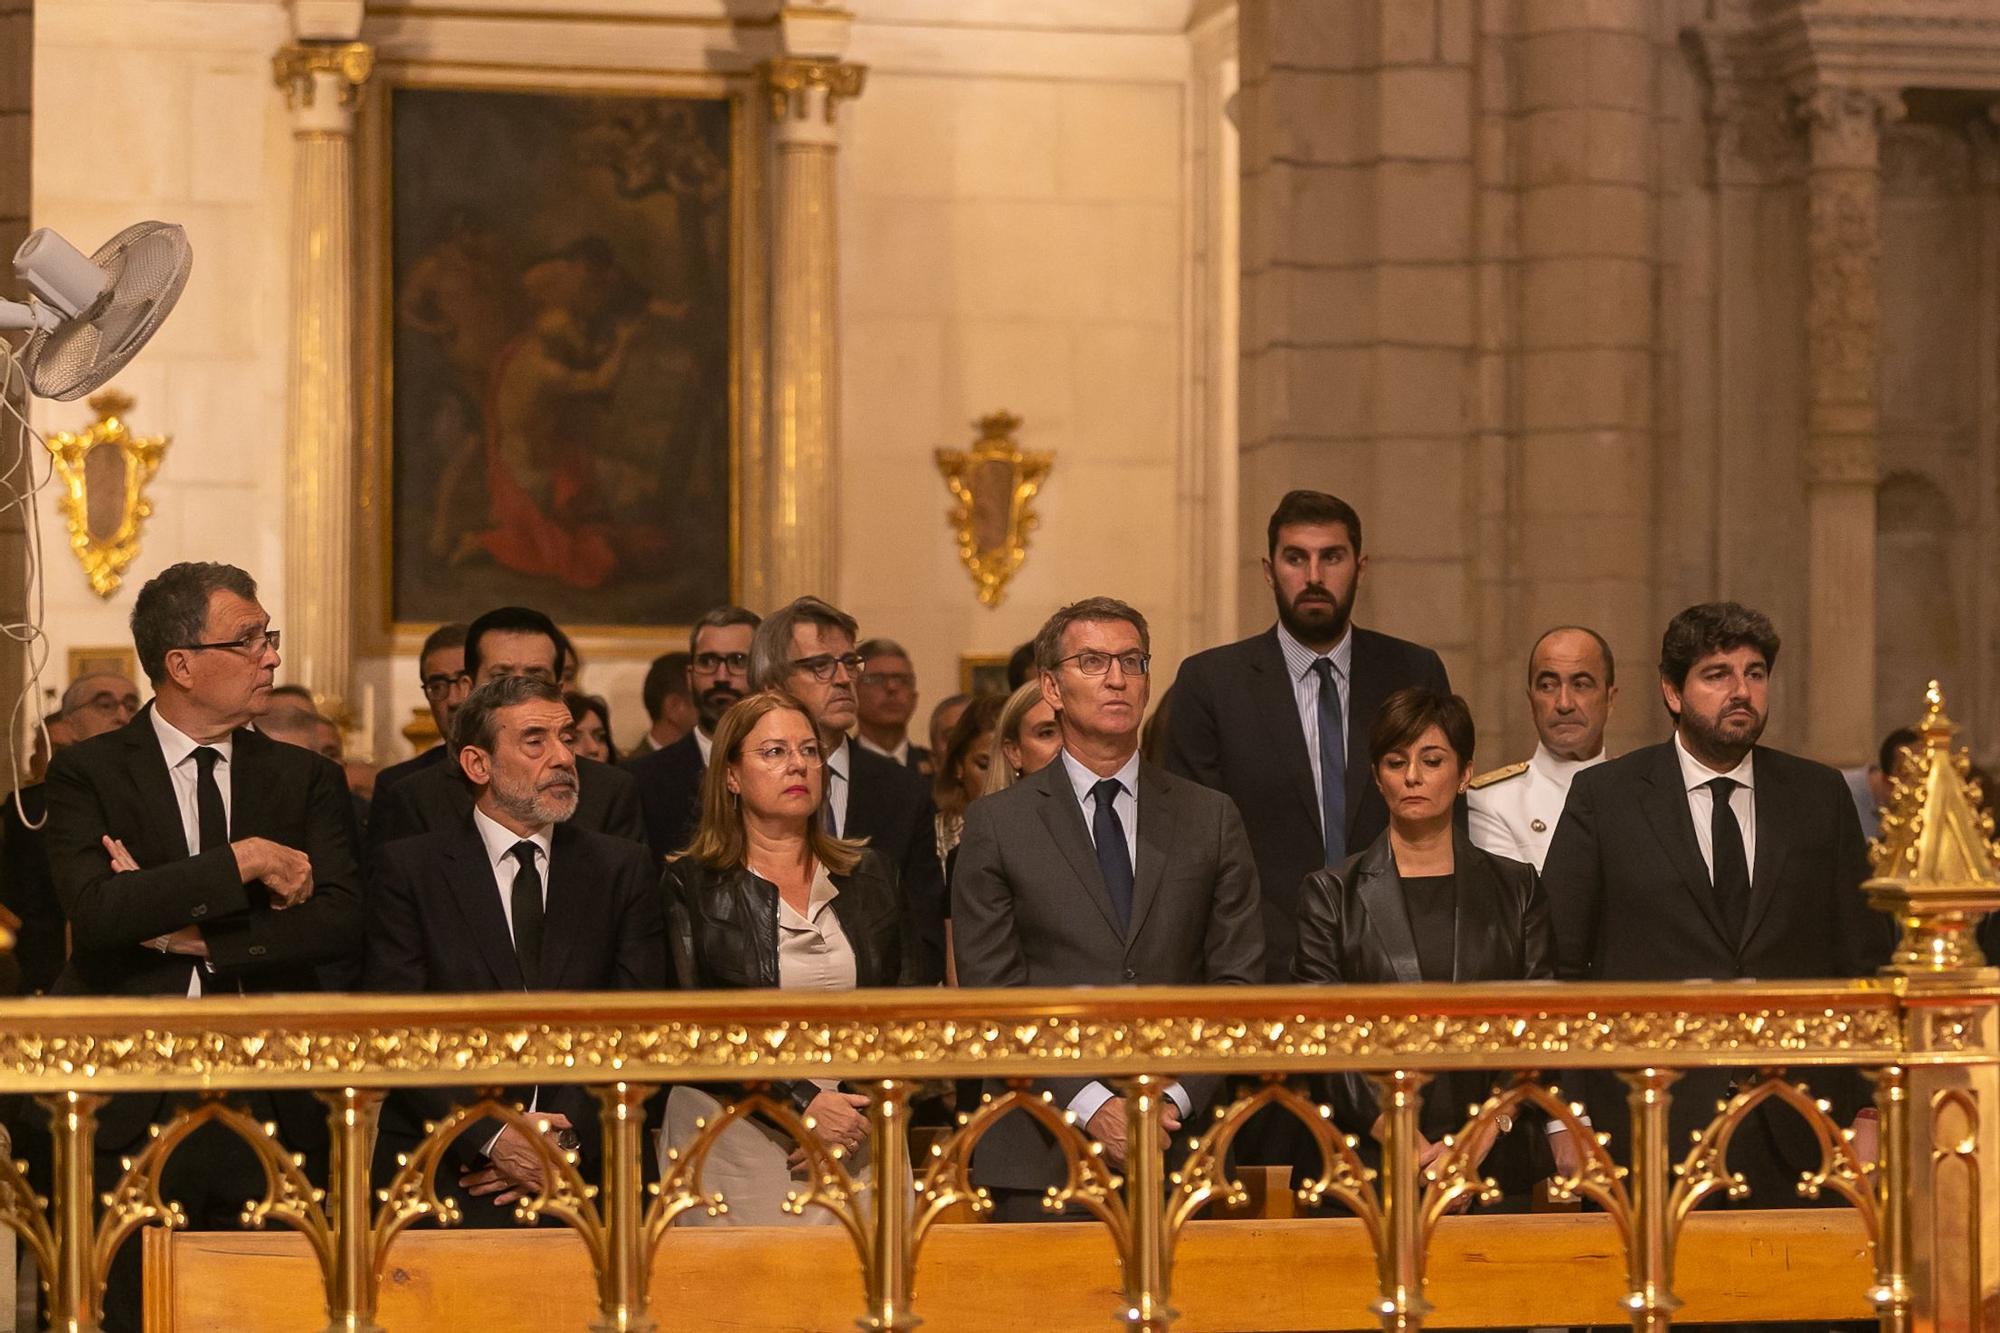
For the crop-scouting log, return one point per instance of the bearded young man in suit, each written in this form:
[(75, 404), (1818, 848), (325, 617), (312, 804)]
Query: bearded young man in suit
[(508, 641), (1098, 870), (1710, 856), (441, 672), (514, 898), (195, 857), (669, 779)]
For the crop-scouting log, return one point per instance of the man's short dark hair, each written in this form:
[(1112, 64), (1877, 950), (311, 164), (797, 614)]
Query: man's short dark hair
[(299, 694), (1049, 640), (667, 677), (450, 635), (1409, 713), (1889, 758), (1610, 665), (1314, 508), (172, 609), (1021, 666), (1713, 627), (477, 721), (721, 617), (513, 620), (771, 648)]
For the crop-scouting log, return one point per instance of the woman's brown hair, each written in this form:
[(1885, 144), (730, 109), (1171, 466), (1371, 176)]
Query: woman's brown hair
[(979, 719), (719, 842), (1408, 714)]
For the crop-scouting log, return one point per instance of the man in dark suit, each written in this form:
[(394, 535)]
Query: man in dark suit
[(194, 856), (1712, 857), (1280, 721), (510, 641), (807, 649), (441, 672), (1098, 870), (669, 702), (513, 898), (885, 696), (669, 779)]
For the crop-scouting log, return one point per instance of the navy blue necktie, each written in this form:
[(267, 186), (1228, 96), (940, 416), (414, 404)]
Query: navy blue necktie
[(1114, 859), (1332, 764)]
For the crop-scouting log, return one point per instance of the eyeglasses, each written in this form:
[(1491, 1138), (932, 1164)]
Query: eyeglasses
[(823, 666), (251, 644), (436, 687), (710, 663), (777, 755), (882, 680), (1093, 663)]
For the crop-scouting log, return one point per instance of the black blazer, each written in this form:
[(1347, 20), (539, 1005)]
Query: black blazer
[(28, 890), (117, 784), (436, 926), (1354, 929), (1632, 900), (891, 807), (1234, 726), (438, 798), (669, 786), (409, 768)]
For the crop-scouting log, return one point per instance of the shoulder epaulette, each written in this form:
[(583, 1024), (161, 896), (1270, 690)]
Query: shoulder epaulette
[(1499, 775)]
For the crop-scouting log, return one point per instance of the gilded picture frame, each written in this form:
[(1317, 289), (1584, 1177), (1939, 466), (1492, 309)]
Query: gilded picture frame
[(608, 116)]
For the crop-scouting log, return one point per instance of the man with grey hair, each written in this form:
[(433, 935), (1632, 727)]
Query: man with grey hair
[(97, 703), (514, 898), (1098, 870), (807, 650), (669, 779)]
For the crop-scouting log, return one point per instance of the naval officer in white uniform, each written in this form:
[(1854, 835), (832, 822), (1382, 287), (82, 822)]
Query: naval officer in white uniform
[(1571, 683)]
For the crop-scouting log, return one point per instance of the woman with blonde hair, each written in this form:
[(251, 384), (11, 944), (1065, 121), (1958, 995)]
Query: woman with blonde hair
[(765, 897), (1026, 739)]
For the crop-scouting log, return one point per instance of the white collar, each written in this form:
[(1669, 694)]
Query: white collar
[(177, 745), (705, 743), (838, 761), (1695, 774), (1562, 770), (1081, 779), (1299, 659), (500, 840)]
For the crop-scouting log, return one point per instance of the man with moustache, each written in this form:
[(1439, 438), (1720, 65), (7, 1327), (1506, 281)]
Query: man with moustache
[(1709, 856), (515, 898), (1572, 682), (1280, 721), (669, 779), (807, 650), (1098, 870)]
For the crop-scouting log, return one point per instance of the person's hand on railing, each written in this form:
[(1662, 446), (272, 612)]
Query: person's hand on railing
[(287, 873), (516, 1169)]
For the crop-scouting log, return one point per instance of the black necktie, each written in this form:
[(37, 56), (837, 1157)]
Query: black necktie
[(211, 815), (1732, 866), (826, 817), (527, 903), (1332, 764), (1114, 859)]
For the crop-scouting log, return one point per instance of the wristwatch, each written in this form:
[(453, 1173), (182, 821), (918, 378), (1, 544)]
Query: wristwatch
[(1505, 1122)]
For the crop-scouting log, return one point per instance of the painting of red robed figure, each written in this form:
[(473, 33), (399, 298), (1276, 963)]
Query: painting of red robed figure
[(559, 387)]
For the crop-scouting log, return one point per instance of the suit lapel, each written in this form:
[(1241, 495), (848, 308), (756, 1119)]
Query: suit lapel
[(1666, 805), (1064, 820), (1156, 841), (860, 821), (1278, 703), (567, 903), (1771, 799), (1381, 892), (478, 895), (155, 789), (1367, 686)]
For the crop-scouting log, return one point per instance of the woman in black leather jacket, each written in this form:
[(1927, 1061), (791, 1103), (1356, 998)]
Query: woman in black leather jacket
[(1422, 903), (764, 897)]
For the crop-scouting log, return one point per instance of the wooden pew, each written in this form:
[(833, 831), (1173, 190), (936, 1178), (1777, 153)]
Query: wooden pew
[(1231, 1277)]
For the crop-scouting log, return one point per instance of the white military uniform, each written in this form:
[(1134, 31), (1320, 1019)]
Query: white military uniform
[(1513, 810)]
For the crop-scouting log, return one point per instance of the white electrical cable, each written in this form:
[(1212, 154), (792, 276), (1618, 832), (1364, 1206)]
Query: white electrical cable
[(20, 485)]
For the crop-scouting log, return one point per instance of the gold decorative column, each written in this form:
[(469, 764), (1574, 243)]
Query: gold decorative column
[(322, 82), (799, 496), (1843, 354)]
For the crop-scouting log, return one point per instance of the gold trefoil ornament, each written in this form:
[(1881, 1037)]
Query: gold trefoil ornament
[(103, 474), (994, 484)]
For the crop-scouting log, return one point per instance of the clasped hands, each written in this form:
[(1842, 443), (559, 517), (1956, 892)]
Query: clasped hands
[(514, 1165), (1108, 1125), (285, 872)]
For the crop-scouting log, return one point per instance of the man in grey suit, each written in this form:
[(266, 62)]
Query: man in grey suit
[(1098, 870)]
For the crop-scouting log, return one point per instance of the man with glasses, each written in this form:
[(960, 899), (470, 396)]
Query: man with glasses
[(507, 641), (807, 650), (441, 672), (886, 699), (1098, 870), (718, 674), (195, 856)]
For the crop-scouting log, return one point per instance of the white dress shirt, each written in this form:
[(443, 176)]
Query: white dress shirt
[(1517, 816), (1299, 661), (1126, 805), (705, 743), (500, 842), (838, 766), (178, 748), (1701, 805), (900, 753)]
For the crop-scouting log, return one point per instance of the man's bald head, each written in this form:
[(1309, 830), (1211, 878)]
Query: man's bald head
[(97, 703), (1572, 680)]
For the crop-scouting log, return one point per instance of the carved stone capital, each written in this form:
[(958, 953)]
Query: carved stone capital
[(1754, 136), (299, 68), (1846, 124), (804, 88)]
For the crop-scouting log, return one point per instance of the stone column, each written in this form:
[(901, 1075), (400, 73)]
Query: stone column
[(322, 82), (799, 485), (1843, 332)]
